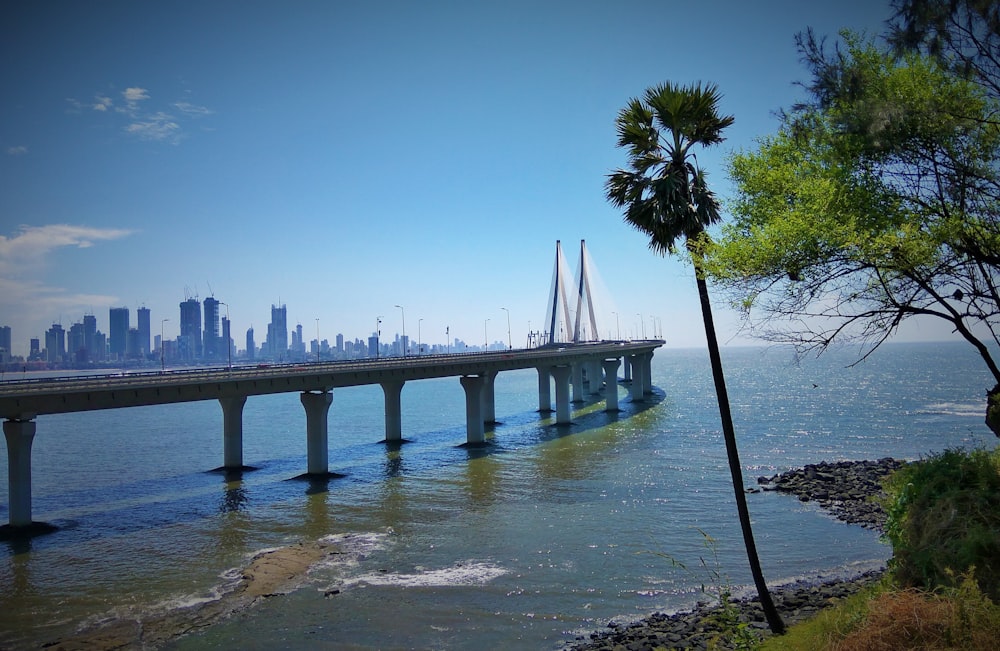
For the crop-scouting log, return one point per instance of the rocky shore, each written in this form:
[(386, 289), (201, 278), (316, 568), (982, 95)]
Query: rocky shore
[(843, 488)]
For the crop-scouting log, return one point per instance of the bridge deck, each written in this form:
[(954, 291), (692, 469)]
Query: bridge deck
[(29, 398)]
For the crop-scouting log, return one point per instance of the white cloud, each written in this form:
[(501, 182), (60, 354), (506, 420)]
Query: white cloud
[(158, 126), (135, 94), (192, 109), (145, 119), (17, 150), (33, 242)]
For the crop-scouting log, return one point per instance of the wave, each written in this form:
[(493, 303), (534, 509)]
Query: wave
[(971, 410), (468, 573)]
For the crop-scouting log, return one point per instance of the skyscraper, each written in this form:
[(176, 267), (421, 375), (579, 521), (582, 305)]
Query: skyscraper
[(89, 335), (277, 333), (227, 340), (4, 343), (117, 332), (55, 343), (251, 345), (142, 315), (212, 347), (189, 342)]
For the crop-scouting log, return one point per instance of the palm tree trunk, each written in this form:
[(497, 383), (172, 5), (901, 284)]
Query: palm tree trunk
[(774, 621)]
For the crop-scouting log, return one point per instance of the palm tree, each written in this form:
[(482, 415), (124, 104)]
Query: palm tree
[(665, 196)]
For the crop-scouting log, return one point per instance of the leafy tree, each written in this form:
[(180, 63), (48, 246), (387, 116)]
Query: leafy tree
[(665, 195), (875, 202)]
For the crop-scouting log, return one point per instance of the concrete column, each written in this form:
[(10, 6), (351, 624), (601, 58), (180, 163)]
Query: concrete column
[(232, 432), (19, 434), (561, 375), (595, 377), (627, 369), (636, 391), (473, 385), (489, 398), (611, 384), (544, 389), (317, 406), (647, 372), (393, 412), (577, 370)]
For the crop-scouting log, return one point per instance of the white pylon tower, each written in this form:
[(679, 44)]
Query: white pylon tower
[(584, 301), (566, 299)]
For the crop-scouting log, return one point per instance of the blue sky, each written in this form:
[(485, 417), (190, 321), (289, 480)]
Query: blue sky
[(345, 158)]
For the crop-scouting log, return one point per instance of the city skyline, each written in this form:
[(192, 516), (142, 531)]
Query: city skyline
[(346, 159)]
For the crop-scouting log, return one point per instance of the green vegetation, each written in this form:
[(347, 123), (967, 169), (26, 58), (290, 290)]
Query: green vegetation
[(878, 199), (941, 589), (944, 521)]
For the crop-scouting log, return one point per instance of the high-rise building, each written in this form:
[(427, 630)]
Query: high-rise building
[(76, 343), (212, 348), (35, 350), (340, 342), (277, 333), (132, 348), (55, 343), (227, 340), (251, 345), (89, 333), (117, 332), (5, 343), (189, 342), (142, 316)]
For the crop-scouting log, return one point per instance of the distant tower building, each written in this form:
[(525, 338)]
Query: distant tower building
[(132, 348), (36, 349), (5, 343), (277, 333), (118, 332), (189, 342), (227, 340), (55, 343), (340, 342), (89, 333), (212, 346), (251, 345), (142, 315), (77, 344)]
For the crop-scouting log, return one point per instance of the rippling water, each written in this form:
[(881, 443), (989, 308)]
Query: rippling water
[(547, 533)]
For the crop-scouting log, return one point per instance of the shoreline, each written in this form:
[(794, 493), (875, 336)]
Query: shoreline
[(844, 489)]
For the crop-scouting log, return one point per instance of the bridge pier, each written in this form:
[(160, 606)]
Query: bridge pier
[(475, 433), (626, 369), (637, 390), (561, 375), (544, 390), (647, 372), (611, 383), (577, 371), (595, 377), (232, 431), (393, 412), (19, 434), (317, 406), (489, 398)]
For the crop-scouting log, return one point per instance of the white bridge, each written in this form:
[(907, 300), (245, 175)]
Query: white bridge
[(568, 360)]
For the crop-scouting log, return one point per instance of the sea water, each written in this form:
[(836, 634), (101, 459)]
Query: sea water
[(547, 533)]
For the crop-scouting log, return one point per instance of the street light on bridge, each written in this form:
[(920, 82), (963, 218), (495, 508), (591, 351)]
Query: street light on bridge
[(486, 337), (510, 345)]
